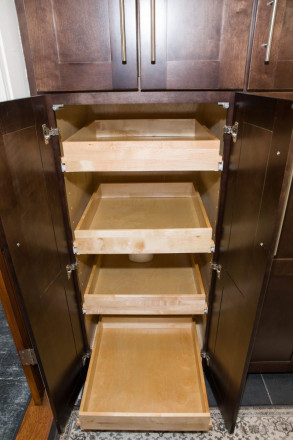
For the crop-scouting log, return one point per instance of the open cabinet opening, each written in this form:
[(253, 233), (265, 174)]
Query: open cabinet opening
[(142, 185)]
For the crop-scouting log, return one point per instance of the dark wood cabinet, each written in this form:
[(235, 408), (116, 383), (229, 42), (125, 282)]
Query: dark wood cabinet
[(198, 45), (272, 54), (249, 212), (77, 46), (73, 46), (169, 45)]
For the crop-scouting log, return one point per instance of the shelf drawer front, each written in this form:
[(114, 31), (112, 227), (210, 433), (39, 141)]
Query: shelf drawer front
[(142, 145), (144, 241), (145, 374)]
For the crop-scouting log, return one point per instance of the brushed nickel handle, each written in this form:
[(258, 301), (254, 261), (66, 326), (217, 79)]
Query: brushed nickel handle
[(122, 31), (268, 45), (153, 31)]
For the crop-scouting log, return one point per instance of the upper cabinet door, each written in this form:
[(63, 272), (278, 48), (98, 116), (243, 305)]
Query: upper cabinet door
[(74, 45), (194, 44), (272, 55)]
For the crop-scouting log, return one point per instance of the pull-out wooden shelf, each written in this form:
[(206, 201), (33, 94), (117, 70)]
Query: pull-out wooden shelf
[(169, 284), (145, 374), (140, 218), (142, 145)]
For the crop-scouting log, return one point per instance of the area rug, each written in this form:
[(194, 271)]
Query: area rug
[(14, 391), (273, 423)]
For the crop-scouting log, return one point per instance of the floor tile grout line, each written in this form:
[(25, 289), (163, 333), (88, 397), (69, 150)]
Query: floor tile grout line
[(265, 385)]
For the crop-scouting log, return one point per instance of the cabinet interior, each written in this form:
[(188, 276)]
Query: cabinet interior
[(80, 187)]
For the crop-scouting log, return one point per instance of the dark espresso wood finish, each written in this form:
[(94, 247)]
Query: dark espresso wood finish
[(199, 45), (76, 46), (285, 248), (35, 249), (156, 97), (273, 348), (18, 329), (251, 216), (277, 74)]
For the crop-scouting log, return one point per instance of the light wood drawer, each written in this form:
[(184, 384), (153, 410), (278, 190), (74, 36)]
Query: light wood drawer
[(140, 218), (142, 145), (169, 284), (145, 374)]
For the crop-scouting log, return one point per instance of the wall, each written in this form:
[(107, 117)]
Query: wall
[(13, 76)]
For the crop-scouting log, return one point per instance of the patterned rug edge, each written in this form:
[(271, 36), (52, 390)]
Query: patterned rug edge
[(253, 423)]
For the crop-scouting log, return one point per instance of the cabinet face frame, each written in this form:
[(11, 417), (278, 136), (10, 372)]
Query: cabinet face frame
[(141, 98)]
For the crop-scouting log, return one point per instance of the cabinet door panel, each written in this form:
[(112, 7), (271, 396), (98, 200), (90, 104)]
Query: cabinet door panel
[(34, 245), (76, 46), (255, 176), (193, 44), (277, 73)]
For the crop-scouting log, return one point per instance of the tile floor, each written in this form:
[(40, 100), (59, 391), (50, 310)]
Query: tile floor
[(264, 389)]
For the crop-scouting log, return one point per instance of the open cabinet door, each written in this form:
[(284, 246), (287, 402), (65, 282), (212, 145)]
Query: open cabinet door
[(35, 247), (245, 242)]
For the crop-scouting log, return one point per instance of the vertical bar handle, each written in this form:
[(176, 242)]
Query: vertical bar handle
[(122, 31), (153, 31), (268, 45)]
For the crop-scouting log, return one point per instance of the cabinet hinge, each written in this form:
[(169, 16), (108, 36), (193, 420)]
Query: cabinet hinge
[(70, 268), (205, 356), (233, 130), (217, 267), (49, 132), (86, 356), (225, 105), (56, 107), (28, 357)]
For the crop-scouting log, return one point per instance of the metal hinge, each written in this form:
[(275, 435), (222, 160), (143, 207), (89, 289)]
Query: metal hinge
[(205, 356), (86, 356), (48, 132), (28, 357), (57, 107), (233, 130), (216, 267), (70, 268), (225, 105)]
